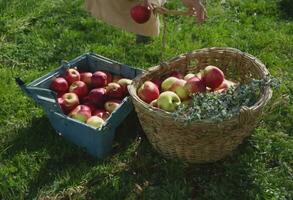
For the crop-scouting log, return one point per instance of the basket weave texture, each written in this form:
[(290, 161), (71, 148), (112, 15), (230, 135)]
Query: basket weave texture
[(201, 141)]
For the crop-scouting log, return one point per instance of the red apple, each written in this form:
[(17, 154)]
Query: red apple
[(112, 105), (140, 13), (158, 82), (81, 113), (194, 85), (59, 85), (102, 113), (79, 88), (60, 101), (148, 92), (60, 94), (87, 78), (176, 74), (90, 105), (124, 82), (97, 96), (99, 79), (71, 75), (70, 101), (179, 88), (95, 121), (109, 77), (213, 77), (114, 91)]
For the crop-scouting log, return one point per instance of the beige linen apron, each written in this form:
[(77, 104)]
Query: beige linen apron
[(116, 13)]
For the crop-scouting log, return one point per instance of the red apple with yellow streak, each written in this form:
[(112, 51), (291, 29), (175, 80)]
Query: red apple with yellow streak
[(79, 88), (71, 75), (213, 77), (81, 113), (112, 105), (148, 92)]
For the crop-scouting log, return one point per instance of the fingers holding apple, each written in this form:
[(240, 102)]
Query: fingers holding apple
[(140, 13)]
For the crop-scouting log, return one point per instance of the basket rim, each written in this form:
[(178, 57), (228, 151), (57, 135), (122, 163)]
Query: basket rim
[(265, 96)]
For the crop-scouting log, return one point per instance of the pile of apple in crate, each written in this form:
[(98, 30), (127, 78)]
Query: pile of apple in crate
[(206, 94), (89, 97)]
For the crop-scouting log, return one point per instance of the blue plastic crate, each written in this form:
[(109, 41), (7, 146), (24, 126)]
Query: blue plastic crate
[(97, 142)]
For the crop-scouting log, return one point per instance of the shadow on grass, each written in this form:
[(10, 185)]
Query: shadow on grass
[(57, 158), (149, 176), (286, 8), (143, 174)]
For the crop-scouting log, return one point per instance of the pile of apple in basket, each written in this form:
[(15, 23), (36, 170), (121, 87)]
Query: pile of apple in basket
[(89, 97), (207, 95)]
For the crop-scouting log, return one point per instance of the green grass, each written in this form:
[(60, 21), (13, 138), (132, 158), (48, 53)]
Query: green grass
[(35, 163)]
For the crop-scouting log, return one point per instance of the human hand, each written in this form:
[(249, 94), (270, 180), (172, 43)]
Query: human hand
[(149, 4), (196, 8)]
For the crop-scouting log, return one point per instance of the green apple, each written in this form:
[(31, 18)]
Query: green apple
[(179, 89), (168, 82), (95, 121), (168, 101)]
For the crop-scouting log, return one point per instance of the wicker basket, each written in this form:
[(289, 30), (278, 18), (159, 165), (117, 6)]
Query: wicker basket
[(203, 141)]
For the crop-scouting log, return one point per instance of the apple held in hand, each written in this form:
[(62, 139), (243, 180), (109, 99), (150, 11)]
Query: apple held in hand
[(167, 83), (59, 85), (95, 121), (81, 113), (148, 92), (114, 91), (71, 75), (179, 88), (213, 77), (70, 101), (112, 105), (168, 101), (140, 13), (97, 96), (87, 78), (99, 79), (195, 85), (79, 88)]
